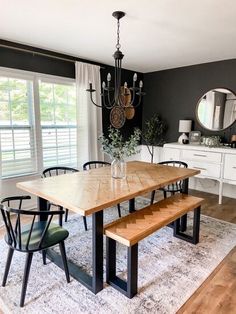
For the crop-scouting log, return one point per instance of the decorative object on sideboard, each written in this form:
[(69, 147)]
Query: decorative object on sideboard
[(117, 149), (153, 132), (184, 127), (115, 98), (233, 141), (216, 109), (195, 137), (210, 141)]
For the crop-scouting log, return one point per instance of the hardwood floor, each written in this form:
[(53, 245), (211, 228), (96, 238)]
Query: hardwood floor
[(217, 294)]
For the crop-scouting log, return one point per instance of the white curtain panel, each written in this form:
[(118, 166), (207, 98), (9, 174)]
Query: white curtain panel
[(89, 117)]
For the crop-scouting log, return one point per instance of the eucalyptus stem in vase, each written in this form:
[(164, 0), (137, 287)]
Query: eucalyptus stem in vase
[(117, 148)]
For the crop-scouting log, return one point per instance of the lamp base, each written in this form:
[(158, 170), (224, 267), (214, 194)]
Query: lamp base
[(182, 137)]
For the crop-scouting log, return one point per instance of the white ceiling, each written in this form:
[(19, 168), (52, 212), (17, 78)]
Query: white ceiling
[(155, 34)]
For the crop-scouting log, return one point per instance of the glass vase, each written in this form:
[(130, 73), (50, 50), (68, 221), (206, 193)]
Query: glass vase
[(118, 168)]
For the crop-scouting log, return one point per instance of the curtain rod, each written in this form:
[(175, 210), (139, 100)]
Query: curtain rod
[(47, 55)]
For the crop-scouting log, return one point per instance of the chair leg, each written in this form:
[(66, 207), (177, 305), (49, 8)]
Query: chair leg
[(66, 215), (8, 264), (152, 197), (44, 254), (28, 261), (165, 194), (64, 260), (85, 223), (118, 208)]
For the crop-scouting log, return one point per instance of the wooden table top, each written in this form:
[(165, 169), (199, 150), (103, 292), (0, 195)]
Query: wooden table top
[(90, 191)]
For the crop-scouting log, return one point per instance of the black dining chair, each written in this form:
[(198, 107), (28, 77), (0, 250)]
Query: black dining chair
[(173, 187), (34, 237), (98, 164), (56, 171)]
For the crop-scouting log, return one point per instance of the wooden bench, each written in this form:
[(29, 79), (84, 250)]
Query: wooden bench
[(131, 229)]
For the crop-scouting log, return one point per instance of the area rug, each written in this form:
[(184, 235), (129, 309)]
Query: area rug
[(170, 270)]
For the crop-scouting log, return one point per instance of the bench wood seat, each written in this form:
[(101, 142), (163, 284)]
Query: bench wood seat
[(130, 229)]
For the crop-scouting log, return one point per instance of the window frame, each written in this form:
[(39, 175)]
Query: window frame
[(35, 77)]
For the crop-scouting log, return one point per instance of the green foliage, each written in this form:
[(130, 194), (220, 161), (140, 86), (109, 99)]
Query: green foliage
[(116, 147), (153, 132)]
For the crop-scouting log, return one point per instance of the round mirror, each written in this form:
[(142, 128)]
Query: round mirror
[(216, 110)]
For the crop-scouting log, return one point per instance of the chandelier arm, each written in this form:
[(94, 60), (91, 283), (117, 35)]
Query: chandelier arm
[(133, 98), (91, 98), (110, 104), (139, 101)]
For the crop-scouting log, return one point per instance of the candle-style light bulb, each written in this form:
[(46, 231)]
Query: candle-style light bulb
[(135, 77), (141, 84), (109, 77), (103, 85), (125, 85)]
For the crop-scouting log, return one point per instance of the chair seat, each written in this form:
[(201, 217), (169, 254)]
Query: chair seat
[(53, 236)]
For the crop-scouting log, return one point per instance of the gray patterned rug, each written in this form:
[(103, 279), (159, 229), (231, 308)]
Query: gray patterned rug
[(170, 270)]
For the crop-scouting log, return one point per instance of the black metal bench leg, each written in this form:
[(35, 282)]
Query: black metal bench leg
[(28, 261), (183, 223), (128, 288), (111, 259), (194, 239), (196, 225), (132, 271), (8, 264)]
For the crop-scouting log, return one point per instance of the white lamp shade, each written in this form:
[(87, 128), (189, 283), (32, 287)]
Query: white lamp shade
[(185, 126)]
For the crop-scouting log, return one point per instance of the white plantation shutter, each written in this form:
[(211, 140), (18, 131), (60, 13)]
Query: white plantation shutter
[(59, 145), (17, 136), (57, 101)]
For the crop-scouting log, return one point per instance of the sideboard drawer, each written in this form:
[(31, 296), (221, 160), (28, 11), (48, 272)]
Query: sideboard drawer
[(207, 170), (201, 156), (230, 167), (171, 154)]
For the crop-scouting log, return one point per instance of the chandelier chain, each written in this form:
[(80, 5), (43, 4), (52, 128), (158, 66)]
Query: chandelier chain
[(118, 35)]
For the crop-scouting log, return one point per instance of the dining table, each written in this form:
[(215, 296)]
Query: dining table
[(93, 191)]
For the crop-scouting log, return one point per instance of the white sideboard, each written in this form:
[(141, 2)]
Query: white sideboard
[(217, 163)]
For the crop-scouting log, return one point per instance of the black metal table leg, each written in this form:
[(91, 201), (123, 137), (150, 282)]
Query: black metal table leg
[(94, 282), (42, 205), (183, 223), (132, 205), (97, 247)]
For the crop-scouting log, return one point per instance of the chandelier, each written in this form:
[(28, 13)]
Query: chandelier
[(120, 99)]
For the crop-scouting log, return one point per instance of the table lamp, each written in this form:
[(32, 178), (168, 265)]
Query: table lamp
[(184, 127)]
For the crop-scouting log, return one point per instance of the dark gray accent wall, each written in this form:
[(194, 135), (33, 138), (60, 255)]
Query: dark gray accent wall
[(174, 93)]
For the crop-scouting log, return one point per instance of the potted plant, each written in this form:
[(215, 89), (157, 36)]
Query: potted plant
[(117, 148), (152, 134)]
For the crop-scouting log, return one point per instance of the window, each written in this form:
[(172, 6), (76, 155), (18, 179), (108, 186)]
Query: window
[(16, 127), (37, 122), (58, 122)]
